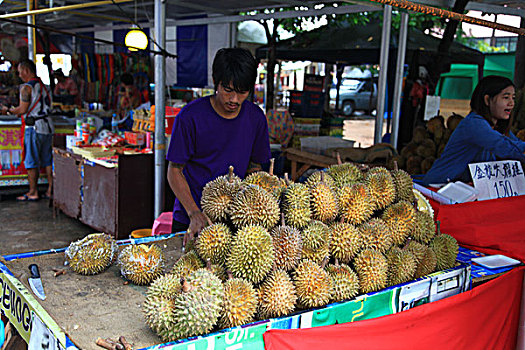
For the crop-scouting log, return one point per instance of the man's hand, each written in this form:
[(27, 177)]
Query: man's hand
[(5, 109), (198, 221)]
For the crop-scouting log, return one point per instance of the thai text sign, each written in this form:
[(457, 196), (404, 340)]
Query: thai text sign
[(498, 179)]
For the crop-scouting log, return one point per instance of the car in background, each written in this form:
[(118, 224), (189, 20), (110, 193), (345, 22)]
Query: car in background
[(355, 94)]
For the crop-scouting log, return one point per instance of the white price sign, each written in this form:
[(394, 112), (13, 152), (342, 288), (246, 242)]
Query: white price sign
[(499, 179)]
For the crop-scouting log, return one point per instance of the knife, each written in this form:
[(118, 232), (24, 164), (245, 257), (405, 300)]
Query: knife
[(35, 282)]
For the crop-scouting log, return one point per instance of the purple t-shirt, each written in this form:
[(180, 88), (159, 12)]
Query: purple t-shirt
[(207, 144)]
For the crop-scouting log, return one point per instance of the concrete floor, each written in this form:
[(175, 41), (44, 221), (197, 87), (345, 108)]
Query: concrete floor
[(30, 226)]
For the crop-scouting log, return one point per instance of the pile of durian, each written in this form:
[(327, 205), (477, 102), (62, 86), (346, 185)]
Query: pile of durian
[(427, 144), (277, 247)]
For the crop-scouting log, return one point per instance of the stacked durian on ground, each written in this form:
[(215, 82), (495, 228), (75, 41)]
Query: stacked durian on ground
[(427, 144), (277, 247)]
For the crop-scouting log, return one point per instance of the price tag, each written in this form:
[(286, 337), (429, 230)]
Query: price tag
[(41, 337), (499, 179), (431, 107)]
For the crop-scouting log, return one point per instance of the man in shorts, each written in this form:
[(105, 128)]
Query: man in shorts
[(34, 108)]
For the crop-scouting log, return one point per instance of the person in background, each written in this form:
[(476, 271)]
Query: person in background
[(66, 90), (214, 132), (483, 136), (34, 106), (128, 94)]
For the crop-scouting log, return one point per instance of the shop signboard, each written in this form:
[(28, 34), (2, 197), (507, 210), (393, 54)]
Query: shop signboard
[(11, 152), (498, 179), (25, 313)]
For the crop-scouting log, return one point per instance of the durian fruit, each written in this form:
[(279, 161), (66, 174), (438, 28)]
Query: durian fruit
[(240, 303), (417, 249), (446, 249), (287, 245), (400, 217), (424, 228), (159, 314), (316, 241), (267, 181), (401, 266), (205, 281), (372, 268), (186, 264), (315, 178), (142, 263), (296, 205), (218, 194), (403, 183), (376, 234), (194, 312), (213, 243), (167, 286), (345, 280), (218, 270), (381, 187), (427, 148), (313, 285), (323, 201), (414, 164), (276, 295), (252, 253), (92, 254), (345, 173), (355, 205), (346, 241), (427, 264), (453, 121), (254, 206), (419, 134), (427, 163)]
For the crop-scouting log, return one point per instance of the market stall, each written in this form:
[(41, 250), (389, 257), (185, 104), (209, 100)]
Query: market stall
[(80, 309)]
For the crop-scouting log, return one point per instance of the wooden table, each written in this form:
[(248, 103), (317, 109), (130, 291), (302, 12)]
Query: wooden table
[(307, 160)]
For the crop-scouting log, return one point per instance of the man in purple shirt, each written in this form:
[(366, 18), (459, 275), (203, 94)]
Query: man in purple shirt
[(214, 132)]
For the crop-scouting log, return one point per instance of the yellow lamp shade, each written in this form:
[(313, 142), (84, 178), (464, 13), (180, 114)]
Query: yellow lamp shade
[(136, 39)]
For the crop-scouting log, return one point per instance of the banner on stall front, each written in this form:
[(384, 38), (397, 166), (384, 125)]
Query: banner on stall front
[(11, 163), (20, 307)]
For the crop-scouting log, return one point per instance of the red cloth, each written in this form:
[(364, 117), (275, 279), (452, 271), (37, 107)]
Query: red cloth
[(486, 317), (494, 226)]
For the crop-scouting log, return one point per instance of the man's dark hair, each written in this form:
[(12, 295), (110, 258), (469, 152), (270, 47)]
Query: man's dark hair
[(28, 64), (236, 66), (126, 79), (490, 85)]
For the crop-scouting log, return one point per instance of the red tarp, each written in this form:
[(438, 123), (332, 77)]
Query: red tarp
[(486, 317), (494, 226)]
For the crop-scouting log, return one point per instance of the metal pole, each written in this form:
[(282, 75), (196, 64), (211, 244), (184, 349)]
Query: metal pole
[(60, 8), (398, 85), (31, 48), (160, 82), (383, 64)]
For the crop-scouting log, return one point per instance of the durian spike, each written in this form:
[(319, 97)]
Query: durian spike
[(338, 156), (337, 262), (230, 174), (324, 262), (272, 163)]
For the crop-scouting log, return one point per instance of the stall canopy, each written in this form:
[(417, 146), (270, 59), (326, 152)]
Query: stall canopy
[(359, 44)]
